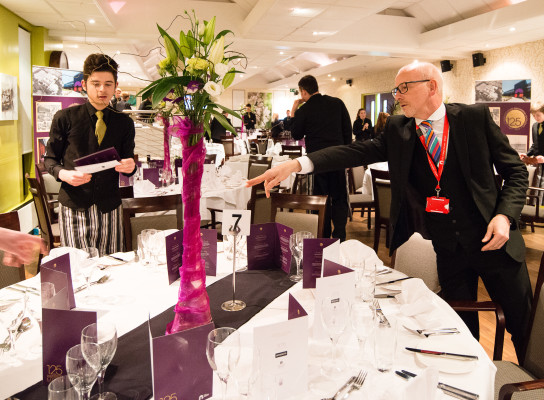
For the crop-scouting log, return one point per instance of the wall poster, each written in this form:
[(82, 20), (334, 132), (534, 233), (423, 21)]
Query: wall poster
[(45, 110), (8, 95), (261, 103), (513, 90), (514, 120)]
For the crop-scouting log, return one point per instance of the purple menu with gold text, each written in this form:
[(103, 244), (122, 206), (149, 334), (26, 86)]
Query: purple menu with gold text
[(331, 268), (152, 175), (62, 264), (180, 368), (295, 309), (61, 330), (268, 247), (312, 259)]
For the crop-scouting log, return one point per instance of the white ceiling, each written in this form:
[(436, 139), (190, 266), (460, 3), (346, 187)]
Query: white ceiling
[(285, 38)]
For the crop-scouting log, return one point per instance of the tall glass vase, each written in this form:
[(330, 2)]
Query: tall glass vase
[(193, 306), (166, 136)]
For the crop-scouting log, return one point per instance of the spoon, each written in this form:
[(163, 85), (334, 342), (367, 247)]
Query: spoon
[(99, 281)]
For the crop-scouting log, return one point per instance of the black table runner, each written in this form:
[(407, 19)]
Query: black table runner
[(129, 374)]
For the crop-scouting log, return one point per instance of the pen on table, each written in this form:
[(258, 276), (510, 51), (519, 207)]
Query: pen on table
[(443, 353), (448, 389), (116, 258), (393, 281)]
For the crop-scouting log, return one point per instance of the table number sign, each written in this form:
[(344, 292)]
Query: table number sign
[(62, 264), (268, 247), (283, 350), (61, 330), (312, 260), (180, 368), (239, 220)]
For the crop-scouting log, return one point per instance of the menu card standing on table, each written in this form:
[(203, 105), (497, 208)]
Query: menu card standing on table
[(62, 264), (312, 259), (179, 366), (268, 247)]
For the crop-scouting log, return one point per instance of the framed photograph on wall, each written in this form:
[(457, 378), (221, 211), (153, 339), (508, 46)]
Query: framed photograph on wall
[(41, 145), (8, 96), (45, 110)]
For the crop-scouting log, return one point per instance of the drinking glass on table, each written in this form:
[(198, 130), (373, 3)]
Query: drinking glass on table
[(83, 370), (385, 343), (296, 243), (223, 352), (104, 334), (145, 234), (87, 268), (368, 281), (61, 389), (362, 318), (334, 315)]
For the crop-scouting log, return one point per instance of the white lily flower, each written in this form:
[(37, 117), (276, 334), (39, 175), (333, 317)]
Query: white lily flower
[(221, 69), (213, 89)]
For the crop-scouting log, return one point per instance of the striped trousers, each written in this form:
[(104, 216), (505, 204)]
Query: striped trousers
[(91, 228)]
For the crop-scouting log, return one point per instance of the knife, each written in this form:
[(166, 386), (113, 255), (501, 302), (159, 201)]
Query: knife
[(393, 281), (448, 389), (384, 296), (463, 357)]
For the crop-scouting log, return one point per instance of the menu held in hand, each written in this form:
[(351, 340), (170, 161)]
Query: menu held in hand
[(99, 161)]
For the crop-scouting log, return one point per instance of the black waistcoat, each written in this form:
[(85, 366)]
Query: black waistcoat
[(464, 225)]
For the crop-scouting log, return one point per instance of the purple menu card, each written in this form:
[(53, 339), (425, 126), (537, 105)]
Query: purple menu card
[(312, 258), (61, 330), (331, 268), (180, 368), (60, 300), (62, 264), (174, 252), (152, 175), (295, 309), (268, 247)]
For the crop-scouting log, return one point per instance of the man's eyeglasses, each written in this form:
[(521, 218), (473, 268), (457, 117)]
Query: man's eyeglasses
[(403, 87)]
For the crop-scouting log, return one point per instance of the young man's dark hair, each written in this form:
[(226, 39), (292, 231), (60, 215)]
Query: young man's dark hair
[(308, 83), (99, 62)]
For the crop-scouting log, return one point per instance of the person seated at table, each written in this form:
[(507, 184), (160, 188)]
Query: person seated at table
[(146, 105), (90, 212), (276, 126), (287, 121), (380, 123), (20, 248), (126, 97), (362, 126), (218, 130), (249, 118)]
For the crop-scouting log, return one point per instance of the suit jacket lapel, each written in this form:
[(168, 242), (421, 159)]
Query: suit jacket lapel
[(458, 138), (408, 136)]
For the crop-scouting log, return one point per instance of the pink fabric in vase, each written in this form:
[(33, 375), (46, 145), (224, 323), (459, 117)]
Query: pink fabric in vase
[(193, 306)]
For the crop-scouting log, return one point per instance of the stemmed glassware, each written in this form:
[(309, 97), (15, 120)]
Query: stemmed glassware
[(334, 315), (61, 389), (87, 267), (104, 335), (223, 352), (362, 318), (296, 242), (83, 370)]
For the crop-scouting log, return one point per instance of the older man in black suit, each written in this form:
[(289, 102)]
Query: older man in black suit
[(441, 160)]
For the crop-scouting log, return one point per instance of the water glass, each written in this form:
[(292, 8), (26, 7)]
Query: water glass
[(146, 247), (362, 318), (47, 292), (87, 268), (83, 370), (368, 281), (223, 353), (61, 389), (334, 315), (385, 343)]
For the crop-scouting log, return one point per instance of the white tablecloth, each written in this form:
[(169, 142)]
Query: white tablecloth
[(134, 292)]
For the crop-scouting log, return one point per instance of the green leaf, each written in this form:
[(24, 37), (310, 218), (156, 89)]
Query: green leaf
[(223, 33), (191, 42), (148, 90), (172, 47), (231, 112), (207, 128), (209, 31), (166, 84), (184, 45), (228, 78)]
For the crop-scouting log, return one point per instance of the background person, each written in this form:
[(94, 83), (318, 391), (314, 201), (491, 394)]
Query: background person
[(380, 123), (362, 126), (249, 118)]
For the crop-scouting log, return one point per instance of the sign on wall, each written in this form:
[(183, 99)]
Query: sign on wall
[(513, 90), (514, 120), (8, 96)]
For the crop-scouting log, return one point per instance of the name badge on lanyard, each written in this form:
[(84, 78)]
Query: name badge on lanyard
[(436, 203)]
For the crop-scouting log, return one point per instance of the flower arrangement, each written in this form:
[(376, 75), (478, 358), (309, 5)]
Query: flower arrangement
[(194, 73)]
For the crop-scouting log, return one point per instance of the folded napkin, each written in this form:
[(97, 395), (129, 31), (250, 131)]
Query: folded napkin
[(236, 178), (416, 300), (422, 387), (225, 171), (352, 251), (143, 186)]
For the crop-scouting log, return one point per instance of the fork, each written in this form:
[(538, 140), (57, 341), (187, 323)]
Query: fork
[(429, 332), (357, 384)]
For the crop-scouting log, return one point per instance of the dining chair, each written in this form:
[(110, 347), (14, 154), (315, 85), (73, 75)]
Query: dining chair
[(126, 192), (291, 151), (210, 159), (253, 146), (50, 187), (299, 221), (262, 143), (416, 258), (228, 146), (533, 210), (359, 200), (50, 232), (302, 184), (133, 224), (381, 186), (10, 275), (258, 159)]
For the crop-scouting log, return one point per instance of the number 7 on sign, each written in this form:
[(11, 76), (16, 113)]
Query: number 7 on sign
[(236, 221)]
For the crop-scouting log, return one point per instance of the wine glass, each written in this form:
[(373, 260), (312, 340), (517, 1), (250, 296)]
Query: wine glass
[(368, 281), (146, 233), (362, 321), (61, 389), (104, 335), (223, 352), (334, 315), (296, 242), (82, 371)]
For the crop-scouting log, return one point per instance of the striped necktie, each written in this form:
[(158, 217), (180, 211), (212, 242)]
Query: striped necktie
[(100, 129), (433, 147)]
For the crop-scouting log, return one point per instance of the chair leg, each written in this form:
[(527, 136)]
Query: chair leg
[(368, 223), (532, 227), (387, 237), (377, 228)]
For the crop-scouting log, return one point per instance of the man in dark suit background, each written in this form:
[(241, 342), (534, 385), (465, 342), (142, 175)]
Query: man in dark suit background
[(535, 155), (217, 130), (323, 121), (249, 118), (478, 236)]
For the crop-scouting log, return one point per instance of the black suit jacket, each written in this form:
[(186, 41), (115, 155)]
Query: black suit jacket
[(323, 121), (533, 151), (479, 145), (72, 136)]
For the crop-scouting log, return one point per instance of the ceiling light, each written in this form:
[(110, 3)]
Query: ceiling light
[(281, 52), (305, 12), (329, 75), (76, 46), (324, 33), (512, 29), (91, 21), (117, 52), (487, 45), (333, 79), (516, 1)]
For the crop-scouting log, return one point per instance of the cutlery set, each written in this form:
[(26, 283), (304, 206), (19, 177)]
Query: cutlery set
[(447, 389), (353, 383), (429, 332), (102, 279)]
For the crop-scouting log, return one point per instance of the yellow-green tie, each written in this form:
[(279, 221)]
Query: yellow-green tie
[(540, 128), (100, 129)]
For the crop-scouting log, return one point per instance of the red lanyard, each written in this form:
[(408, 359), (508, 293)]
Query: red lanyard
[(438, 173)]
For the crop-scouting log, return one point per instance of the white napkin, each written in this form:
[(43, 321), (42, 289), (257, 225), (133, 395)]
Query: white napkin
[(143, 186), (422, 387), (236, 178), (416, 301), (281, 158), (225, 171), (353, 250)]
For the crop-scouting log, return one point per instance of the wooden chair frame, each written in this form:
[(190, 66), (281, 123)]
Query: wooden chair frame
[(42, 212), (10, 220), (380, 220), (301, 202), (363, 205)]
